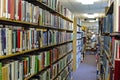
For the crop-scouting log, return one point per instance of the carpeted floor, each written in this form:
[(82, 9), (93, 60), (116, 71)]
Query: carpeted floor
[(87, 69)]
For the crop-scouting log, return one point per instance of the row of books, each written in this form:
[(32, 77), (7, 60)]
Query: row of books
[(48, 19), (52, 72), (24, 11), (57, 6), (107, 42), (24, 66), (108, 24), (16, 40)]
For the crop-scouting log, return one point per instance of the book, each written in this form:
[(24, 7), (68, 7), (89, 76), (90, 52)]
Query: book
[(20, 10), (1, 8), (0, 70), (12, 9)]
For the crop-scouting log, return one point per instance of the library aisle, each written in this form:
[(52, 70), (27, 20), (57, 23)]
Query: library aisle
[(87, 69)]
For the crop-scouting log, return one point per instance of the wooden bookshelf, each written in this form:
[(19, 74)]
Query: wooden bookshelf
[(17, 54), (109, 10), (28, 25), (16, 22)]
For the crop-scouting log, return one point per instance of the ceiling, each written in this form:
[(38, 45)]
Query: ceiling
[(79, 9)]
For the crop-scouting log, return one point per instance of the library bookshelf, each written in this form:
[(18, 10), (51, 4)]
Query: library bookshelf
[(36, 40), (110, 32)]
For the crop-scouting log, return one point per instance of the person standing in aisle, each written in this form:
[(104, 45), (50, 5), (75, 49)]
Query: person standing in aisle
[(93, 42)]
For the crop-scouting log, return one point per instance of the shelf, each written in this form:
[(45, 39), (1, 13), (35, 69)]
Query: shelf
[(15, 22), (115, 34), (45, 7), (61, 70), (109, 10), (64, 17), (79, 32), (17, 54), (53, 28), (29, 25), (27, 51), (105, 34), (108, 57), (69, 30), (79, 38), (78, 25)]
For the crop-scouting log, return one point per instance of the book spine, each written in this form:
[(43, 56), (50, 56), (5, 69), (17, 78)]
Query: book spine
[(1, 42), (1, 71), (20, 10), (12, 9), (1, 8), (18, 40)]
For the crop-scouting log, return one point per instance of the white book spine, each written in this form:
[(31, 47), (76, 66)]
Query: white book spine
[(20, 71), (17, 17), (30, 32), (12, 71), (116, 16), (6, 9), (16, 70), (1, 8), (10, 42), (7, 41)]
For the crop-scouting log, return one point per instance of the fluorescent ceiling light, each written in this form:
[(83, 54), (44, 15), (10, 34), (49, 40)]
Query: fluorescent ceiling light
[(87, 1), (91, 15), (92, 20)]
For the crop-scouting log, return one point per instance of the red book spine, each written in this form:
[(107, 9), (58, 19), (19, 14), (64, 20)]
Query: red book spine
[(20, 10), (18, 40), (12, 10), (9, 6)]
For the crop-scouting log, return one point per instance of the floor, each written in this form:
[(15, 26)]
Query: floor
[(87, 69)]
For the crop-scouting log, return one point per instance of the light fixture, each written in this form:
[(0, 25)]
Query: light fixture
[(92, 20), (91, 15), (87, 1)]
